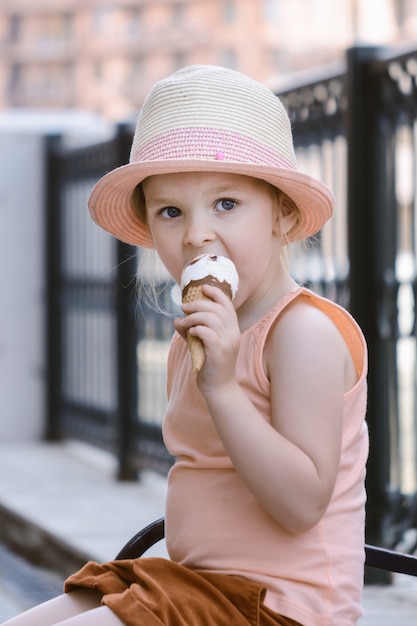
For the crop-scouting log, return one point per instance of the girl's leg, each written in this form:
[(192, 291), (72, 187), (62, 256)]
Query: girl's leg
[(58, 609), (103, 616)]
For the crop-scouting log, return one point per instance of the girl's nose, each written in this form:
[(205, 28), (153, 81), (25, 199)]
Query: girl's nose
[(198, 232)]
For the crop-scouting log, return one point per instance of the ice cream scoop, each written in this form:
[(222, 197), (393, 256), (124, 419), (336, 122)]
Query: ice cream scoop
[(207, 269)]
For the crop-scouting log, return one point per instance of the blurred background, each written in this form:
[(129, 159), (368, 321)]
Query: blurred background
[(82, 360), (103, 56)]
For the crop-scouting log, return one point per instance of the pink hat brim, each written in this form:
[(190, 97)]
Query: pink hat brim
[(111, 207)]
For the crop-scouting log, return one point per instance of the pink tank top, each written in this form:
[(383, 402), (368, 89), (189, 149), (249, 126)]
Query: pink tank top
[(213, 522)]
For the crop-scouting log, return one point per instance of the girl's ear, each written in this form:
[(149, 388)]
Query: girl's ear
[(286, 215), (283, 224)]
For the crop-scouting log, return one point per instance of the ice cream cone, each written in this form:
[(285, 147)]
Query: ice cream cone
[(206, 270), (195, 345)]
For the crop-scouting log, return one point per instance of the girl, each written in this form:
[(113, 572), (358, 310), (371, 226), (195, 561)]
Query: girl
[(265, 507)]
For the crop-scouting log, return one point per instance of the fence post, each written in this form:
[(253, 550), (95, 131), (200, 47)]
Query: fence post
[(371, 242), (53, 336), (127, 337)]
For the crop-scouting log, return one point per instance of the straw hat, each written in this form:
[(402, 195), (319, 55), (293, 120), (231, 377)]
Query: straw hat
[(209, 119)]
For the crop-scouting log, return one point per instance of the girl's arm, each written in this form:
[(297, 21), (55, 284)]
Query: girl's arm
[(291, 466)]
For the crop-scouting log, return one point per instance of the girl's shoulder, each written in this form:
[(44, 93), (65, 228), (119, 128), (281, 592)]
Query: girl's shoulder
[(307, 324), (302, 308), (303, 324)]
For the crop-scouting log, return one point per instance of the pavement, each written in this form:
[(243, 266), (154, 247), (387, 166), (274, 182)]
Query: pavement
[(60, 506)]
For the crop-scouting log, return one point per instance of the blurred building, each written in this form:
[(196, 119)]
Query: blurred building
[(103, 55)]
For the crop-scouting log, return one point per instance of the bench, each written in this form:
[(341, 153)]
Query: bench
[(375, 557)]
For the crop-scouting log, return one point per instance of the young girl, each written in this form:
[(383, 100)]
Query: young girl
[(265, 507)]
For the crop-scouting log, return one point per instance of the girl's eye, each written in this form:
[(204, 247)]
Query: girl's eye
[(225, 204), (170, 212)]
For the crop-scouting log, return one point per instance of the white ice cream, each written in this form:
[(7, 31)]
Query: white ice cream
[(220, 267)]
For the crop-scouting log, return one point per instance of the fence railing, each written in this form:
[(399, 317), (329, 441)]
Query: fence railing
[(356, 130), (98, 384)]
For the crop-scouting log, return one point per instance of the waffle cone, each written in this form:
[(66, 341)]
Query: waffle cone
[(195, 345)]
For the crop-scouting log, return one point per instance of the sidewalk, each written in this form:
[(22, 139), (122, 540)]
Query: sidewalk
[(62, 503)]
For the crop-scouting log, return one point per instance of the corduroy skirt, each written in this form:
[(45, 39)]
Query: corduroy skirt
[(156, 592)]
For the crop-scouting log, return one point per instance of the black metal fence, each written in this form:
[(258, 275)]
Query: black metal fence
[(100, 386), (382, 96), (356, 130)]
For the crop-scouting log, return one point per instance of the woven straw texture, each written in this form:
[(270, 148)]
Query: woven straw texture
[(207, 118)]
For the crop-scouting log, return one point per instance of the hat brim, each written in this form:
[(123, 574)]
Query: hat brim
[(111, 207)]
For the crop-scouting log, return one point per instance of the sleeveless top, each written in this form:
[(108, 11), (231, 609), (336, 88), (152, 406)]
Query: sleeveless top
[(213, 521)]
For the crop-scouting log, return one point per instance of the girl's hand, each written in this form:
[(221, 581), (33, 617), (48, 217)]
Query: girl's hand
[(215, 323)]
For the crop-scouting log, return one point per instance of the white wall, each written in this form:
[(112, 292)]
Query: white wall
[(22, 270), (22, 304)]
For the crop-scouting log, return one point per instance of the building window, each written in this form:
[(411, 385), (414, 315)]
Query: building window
[(15, 26), (136, 71), (54, 83), (134, 23), (228, 59), (66, 26), (98, 70), (134, 81), (15, 80), (280, 59), (180, 60), (271, 10), (177, 14), (98, 20), (229, 11)]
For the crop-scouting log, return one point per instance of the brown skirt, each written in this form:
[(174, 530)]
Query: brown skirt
[(156, 592)]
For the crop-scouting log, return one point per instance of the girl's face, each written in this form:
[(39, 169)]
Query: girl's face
[(231, 215)]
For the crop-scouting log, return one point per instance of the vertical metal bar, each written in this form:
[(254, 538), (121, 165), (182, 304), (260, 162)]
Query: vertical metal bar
[(53, 336), (127, 367), (127, 374), (370, 171)]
